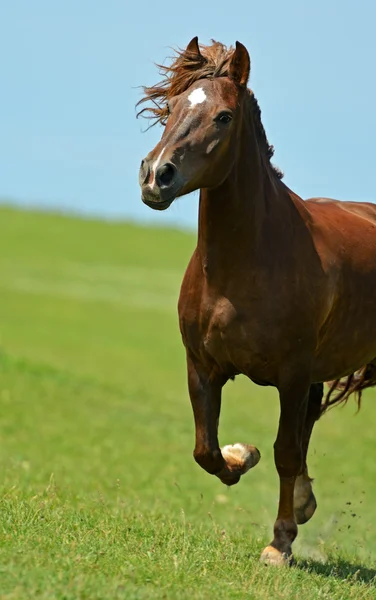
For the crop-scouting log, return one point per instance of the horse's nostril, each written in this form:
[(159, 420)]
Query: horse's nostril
[(165, 175), (144, 172)]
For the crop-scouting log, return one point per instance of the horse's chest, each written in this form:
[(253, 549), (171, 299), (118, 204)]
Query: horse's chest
[(227, 331), (224, 336), (221, 320)]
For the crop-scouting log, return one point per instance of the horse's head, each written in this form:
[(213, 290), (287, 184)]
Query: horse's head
[(200, 102)]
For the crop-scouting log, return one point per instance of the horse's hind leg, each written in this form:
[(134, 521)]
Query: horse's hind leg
[(304, 499), (294, 389), (205, 391)]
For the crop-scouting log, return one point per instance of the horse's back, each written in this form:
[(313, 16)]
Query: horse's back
[(344, 231), (365, 210)]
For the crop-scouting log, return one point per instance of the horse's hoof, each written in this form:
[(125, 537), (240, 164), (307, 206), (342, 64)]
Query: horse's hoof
[(305, 512), (240, 457), (230, 478), (304, 500), (274, 558)]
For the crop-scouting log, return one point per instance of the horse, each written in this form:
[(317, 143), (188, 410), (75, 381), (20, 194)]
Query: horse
[(279, 289)]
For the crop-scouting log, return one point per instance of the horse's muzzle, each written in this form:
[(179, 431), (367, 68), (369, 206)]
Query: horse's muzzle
[(157, 204), (159, 187)]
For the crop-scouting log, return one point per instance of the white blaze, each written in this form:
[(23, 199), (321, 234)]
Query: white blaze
[(156, 165), (197, 97)]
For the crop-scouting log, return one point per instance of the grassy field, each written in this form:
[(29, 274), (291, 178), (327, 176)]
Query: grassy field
[(100, 496)]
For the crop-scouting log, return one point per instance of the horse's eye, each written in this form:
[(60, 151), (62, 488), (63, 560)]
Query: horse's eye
[(224, 118)]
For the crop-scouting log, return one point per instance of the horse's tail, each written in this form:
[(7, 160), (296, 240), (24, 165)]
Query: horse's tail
[(353, 384)]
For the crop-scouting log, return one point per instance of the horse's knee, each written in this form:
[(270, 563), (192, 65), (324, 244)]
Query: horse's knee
[(210, 460)]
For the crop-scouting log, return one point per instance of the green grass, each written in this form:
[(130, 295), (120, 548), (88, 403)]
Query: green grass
[(100, 496)]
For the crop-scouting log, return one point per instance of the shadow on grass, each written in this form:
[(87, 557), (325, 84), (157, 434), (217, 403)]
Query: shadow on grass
[(340, 569)]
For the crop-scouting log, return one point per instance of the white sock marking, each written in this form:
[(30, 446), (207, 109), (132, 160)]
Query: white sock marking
[(237, 450)]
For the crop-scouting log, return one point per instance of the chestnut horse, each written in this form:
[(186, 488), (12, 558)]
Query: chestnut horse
[(279, 289)]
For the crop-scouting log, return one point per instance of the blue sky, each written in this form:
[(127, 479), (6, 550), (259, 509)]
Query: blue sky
[(69, 73)]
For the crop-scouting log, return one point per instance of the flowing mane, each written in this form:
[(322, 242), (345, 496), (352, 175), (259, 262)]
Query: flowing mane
[(185, 70)]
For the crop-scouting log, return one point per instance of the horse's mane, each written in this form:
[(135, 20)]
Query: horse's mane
[(186, 68)]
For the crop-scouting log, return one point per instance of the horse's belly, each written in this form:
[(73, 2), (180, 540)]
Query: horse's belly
[(347, 345)]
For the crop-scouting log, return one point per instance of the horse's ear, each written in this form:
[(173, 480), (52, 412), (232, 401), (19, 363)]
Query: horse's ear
[(240, 65), (193, 49)]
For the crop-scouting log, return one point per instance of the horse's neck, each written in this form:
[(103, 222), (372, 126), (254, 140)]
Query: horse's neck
[(234, 219)]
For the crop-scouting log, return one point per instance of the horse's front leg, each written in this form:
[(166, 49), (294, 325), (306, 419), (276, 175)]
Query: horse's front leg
[(288, 454), (205, 390)]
